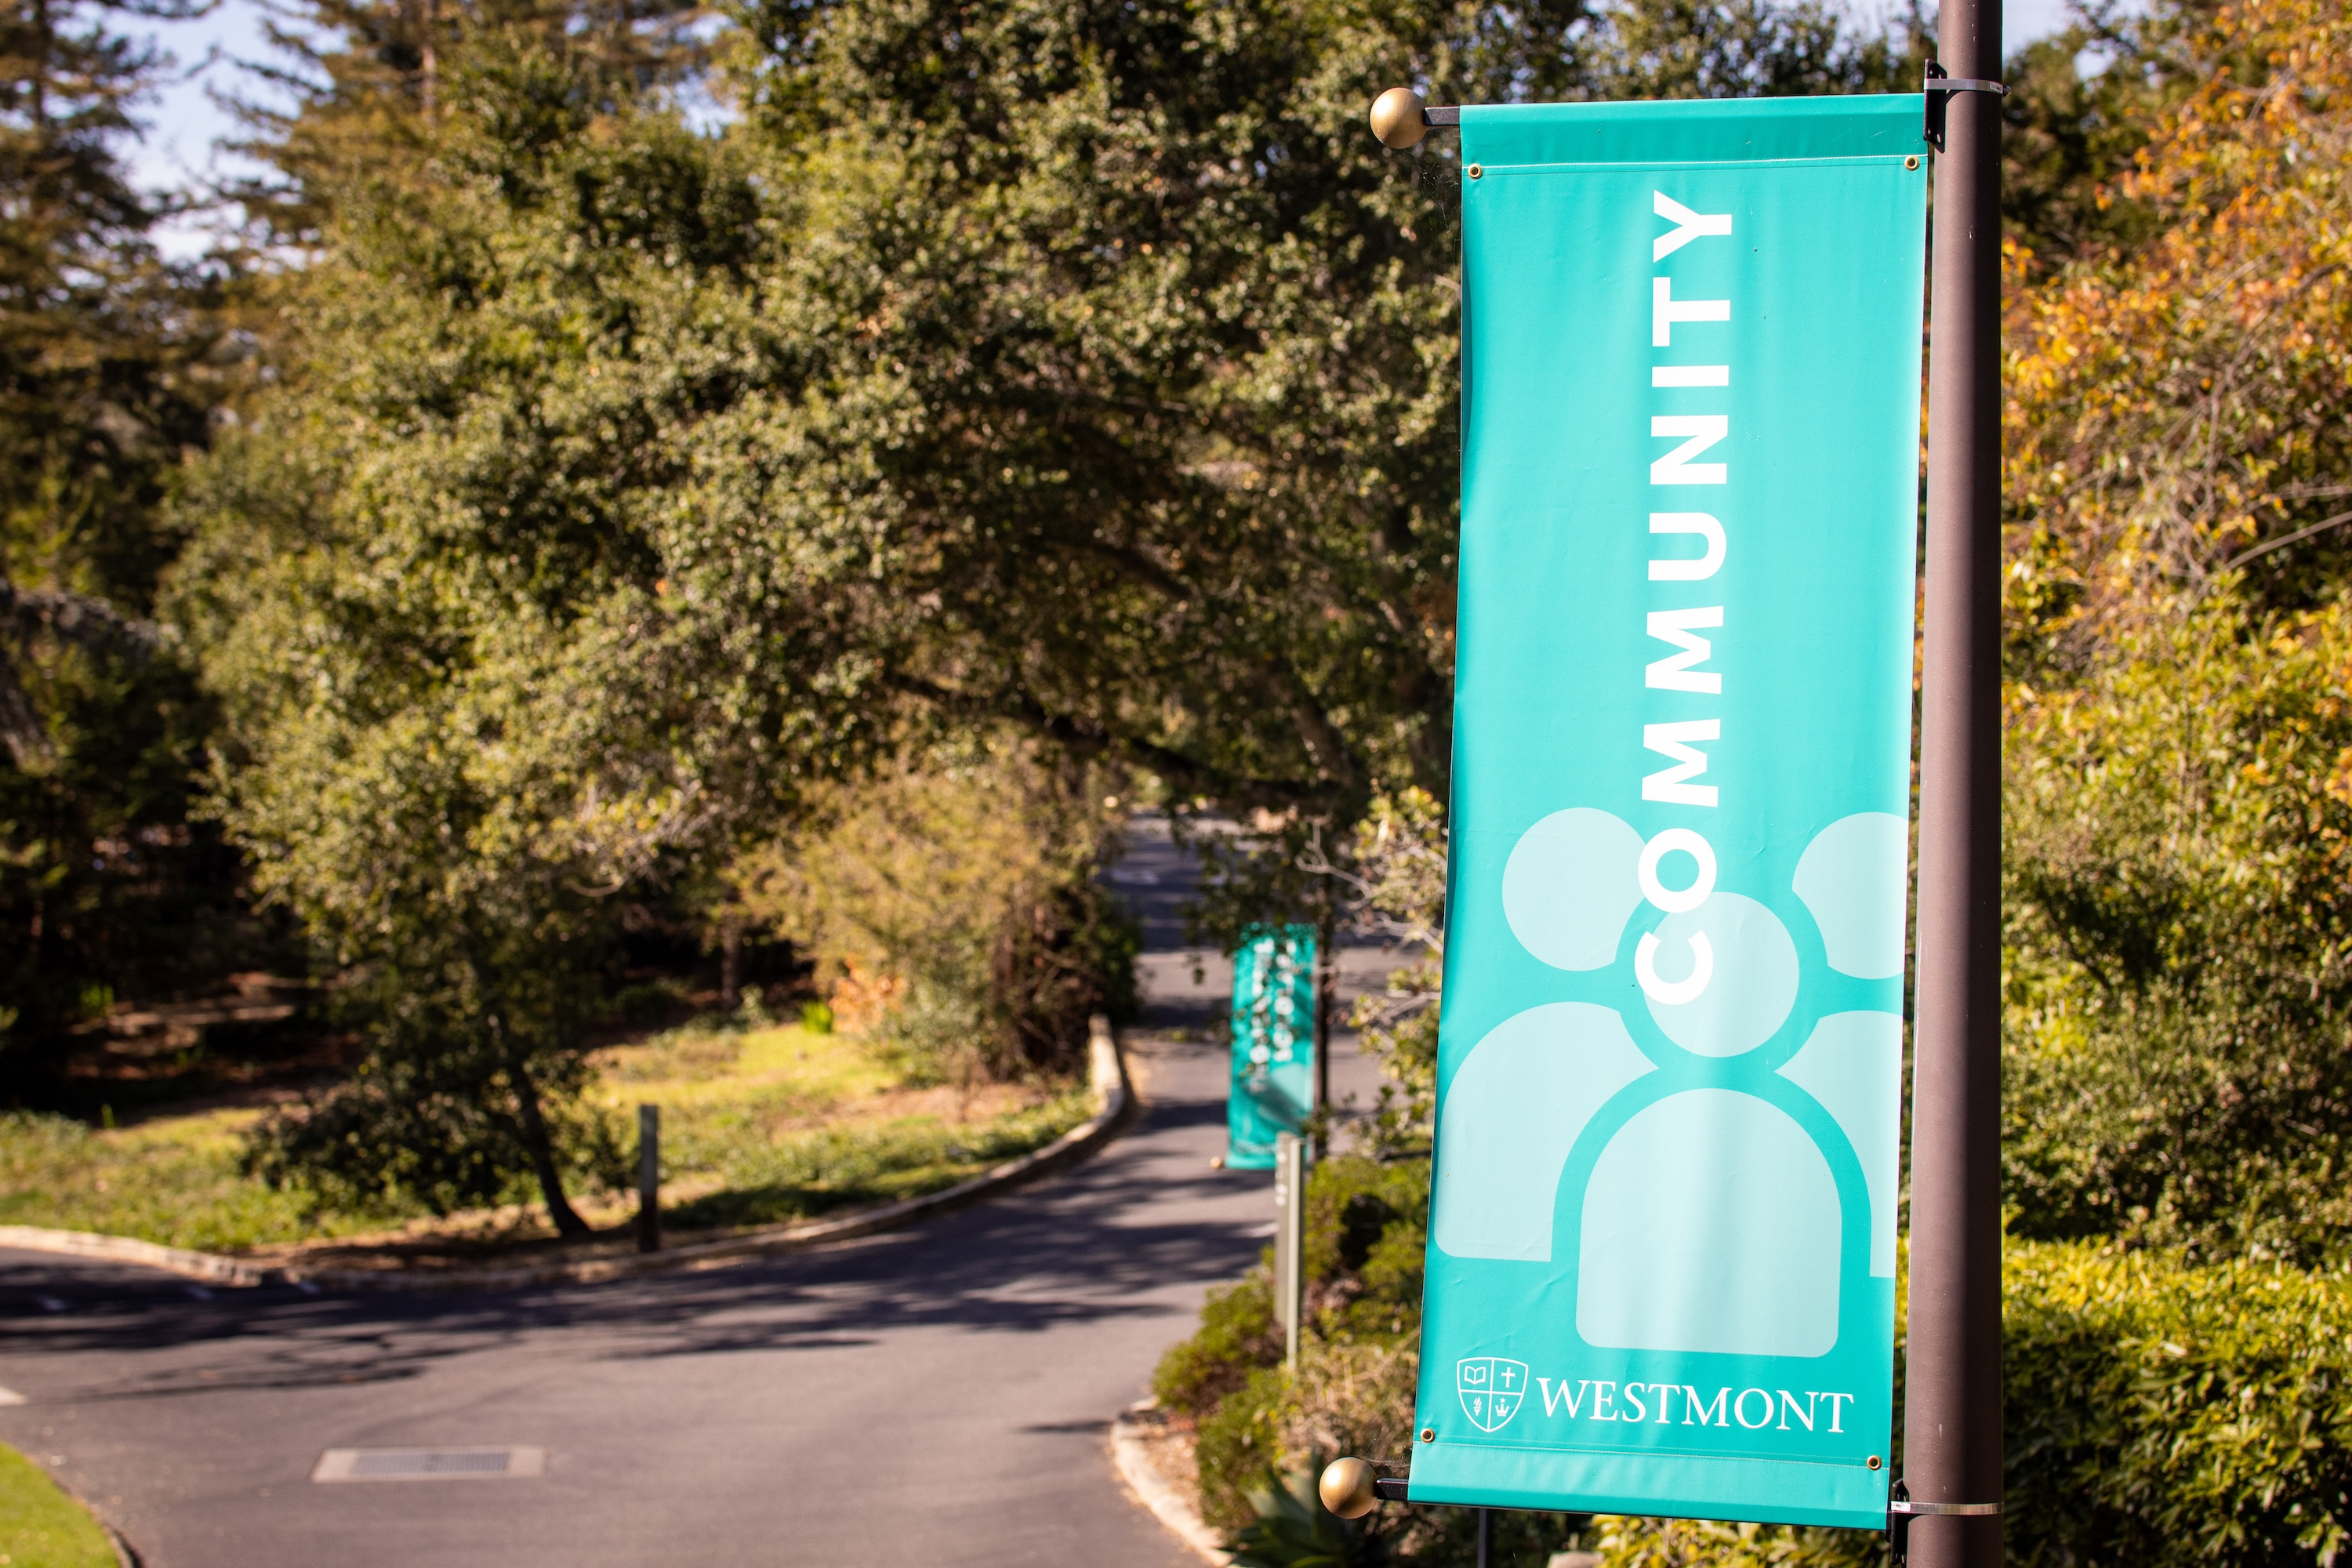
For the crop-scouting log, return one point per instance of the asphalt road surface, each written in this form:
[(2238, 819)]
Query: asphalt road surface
[(936, 1396)]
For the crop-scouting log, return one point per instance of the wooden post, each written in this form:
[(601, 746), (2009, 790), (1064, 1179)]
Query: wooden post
[(1290, 1240), (648, 1178)]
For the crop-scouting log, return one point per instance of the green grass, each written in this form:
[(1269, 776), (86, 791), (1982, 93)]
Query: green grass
[(784, 1125), (173, 1180), (758, 1126), (41, 1526), (800, 1176)]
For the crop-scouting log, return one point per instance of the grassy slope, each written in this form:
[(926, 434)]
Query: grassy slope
[(758, 1126), (779, 1124), (41, 1526)]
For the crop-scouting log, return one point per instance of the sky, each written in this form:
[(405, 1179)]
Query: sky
[(186, 124)]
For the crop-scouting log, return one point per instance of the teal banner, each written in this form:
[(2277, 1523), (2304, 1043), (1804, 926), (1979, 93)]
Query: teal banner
[(1274, 1043), (1663, 1234)]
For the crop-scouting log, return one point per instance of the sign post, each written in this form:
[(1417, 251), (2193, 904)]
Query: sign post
[(648, 1178), (1290, 1240), (1273, 1023), (1661, 1274)]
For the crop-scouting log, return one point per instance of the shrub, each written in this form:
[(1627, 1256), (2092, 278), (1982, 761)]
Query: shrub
[(954, 912), (2157, 1407), (2160, 1409), (2179, 919), (1237, 1335)]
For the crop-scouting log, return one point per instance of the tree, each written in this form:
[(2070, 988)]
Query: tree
[(1082, 368), (2180, 409), (2178, 462), (107, 381), (2180, 958), (365, 81), (474, 700), (1125, 300)]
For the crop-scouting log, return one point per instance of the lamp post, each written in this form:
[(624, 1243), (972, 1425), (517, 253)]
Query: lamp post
[(1952, 1394)]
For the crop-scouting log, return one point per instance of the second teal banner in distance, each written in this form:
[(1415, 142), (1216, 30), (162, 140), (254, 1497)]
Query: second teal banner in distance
[(1273, 1089), (1661, 1271)]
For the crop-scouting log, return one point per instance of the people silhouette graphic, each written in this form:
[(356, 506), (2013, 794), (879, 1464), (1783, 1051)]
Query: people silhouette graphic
[(1717, 1045)]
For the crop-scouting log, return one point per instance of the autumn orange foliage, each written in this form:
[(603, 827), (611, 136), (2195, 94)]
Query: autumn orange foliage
[(2186, 411)]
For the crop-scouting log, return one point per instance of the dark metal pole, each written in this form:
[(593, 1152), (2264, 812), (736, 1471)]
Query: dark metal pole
[(1485, 1526), (648, 1178), (1952, 1413), (1327, 991)]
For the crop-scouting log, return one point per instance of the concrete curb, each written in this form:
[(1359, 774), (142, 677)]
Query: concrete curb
[(1107, 1074), (1168, 1502), (127, 1249)]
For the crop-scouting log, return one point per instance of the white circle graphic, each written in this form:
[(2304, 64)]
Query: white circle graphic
[(1751, 979)]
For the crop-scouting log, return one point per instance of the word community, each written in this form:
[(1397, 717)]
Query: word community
[(1678, 1404), (1678, 738)]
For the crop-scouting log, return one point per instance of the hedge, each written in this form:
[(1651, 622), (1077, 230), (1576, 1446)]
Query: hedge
[(2159, 1409)]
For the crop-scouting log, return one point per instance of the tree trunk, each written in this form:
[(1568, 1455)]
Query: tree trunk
[(541, 1149)]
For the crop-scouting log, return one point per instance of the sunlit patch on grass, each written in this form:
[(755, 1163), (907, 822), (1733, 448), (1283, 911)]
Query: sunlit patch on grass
[(759, 1126)]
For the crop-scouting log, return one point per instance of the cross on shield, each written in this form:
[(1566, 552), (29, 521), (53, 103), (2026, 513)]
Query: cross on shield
[(1492, 1389)]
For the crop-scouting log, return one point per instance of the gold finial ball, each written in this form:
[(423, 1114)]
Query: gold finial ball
[(1396, 119), (1347, 1484)]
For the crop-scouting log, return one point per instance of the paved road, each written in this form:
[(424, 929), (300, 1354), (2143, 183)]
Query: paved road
[(937, 1396)]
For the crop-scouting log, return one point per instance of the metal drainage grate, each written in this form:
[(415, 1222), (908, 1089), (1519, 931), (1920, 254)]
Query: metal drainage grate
[(428, 1464)]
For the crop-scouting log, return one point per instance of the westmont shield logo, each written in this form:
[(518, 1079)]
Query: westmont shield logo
[(1492, 1389)]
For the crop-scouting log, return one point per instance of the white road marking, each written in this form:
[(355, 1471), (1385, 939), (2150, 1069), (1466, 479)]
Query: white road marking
[(10, 1396)]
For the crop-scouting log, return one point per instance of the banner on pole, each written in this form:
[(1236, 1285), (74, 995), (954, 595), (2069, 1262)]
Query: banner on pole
[(1662, 1251), (1274, 1043)]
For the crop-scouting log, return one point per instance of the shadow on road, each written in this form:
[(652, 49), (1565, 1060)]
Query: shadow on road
[(1073, 1250)]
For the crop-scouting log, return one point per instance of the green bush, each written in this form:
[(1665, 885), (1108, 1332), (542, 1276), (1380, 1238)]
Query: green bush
[(2175, 1070), (2162, 1410), (2157, 1407), (955, 909), (1237, 1335), (1237, 1442)]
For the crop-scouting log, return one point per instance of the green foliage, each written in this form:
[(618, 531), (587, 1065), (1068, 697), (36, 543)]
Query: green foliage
[(2069, 138), (957, 910), (105, 386), (799, 1175), (2157, 1409), (176, 1182), (1084, 370), (1238, 1441), (1366, 1230), (2178, 826), (1294, 1530), (1237, 1335), (1398, 880)]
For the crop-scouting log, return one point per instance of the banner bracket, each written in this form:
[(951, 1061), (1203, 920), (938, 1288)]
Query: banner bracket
[(1940, 87), (1901, 1511)]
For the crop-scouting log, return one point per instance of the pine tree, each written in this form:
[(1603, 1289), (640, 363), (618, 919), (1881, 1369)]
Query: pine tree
[(104, 386)]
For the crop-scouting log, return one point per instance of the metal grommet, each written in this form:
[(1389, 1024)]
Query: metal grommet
[(1910, 162), (1873, 1459), (1473, 171), (1429, 1434)]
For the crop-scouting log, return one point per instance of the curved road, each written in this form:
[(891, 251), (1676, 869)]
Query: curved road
[(938, 1395)]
